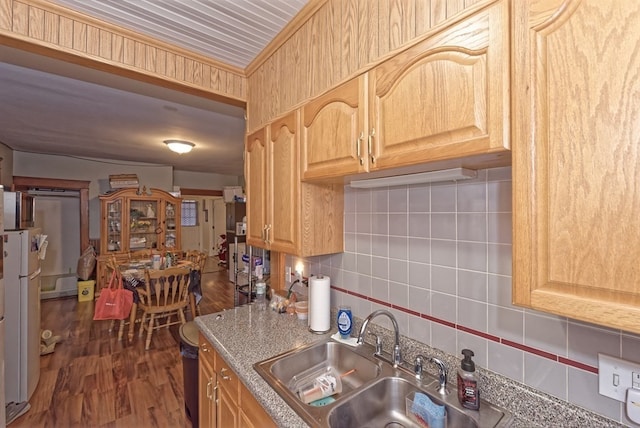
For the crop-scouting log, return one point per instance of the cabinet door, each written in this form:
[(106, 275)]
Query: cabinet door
[(576, 160), (171, 222), (144, 224), (112, 223), (333, 125), (252, 415), (207, 387), (444, 98), (255, 165), (284, 185), (227, 410)]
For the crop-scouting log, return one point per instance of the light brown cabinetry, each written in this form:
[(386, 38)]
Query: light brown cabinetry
[(284, 214), (576, 160), (224, 402), (207, 385), (131, 220), (443, 99)]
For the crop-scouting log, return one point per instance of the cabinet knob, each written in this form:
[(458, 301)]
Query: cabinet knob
[(223, 375)]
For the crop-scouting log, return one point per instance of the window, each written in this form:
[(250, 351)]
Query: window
[(189, 213)]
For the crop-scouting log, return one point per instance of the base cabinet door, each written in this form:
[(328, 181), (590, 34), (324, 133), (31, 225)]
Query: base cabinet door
[(223, 400), (576, 160), (227, 410), (207, 386)]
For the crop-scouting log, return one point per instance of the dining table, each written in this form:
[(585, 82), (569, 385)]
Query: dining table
[(133, 277)]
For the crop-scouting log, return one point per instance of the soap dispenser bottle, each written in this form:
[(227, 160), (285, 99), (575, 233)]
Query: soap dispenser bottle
[(468, 388)]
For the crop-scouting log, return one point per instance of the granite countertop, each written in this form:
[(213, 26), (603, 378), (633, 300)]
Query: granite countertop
[(244, 336)]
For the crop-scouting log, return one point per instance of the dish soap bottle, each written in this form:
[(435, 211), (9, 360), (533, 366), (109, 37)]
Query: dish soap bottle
[(468, 391), (261, 294)]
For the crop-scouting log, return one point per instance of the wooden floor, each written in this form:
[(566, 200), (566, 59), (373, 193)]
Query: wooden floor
[(94, 380)]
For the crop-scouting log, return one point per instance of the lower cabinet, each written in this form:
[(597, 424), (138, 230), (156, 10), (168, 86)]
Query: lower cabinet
[(224, 401), (207, 385)]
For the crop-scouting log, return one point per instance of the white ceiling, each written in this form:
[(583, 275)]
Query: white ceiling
[(52, 107)]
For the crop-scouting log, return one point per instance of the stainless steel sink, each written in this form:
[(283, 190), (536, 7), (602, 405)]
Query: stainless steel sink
[(341, 357), (384, 404), (374, 395)]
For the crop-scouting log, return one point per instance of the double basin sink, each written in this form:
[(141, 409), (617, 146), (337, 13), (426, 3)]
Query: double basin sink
[(373, 395)]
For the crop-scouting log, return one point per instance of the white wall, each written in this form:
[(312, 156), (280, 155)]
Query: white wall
[(59, 217), (96, 171), (203, 180)]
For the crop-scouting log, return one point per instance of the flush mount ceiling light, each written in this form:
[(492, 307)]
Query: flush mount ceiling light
[(453, 174), (179, 146)]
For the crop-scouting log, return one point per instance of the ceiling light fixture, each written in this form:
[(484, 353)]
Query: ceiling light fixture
[(453, 174), (179, 146)]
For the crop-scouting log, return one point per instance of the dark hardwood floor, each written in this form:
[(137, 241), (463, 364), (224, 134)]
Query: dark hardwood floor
[(94, 380)]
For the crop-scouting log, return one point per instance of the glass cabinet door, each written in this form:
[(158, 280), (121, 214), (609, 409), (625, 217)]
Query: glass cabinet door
[(143, 224), (170, 239), (114, 225)]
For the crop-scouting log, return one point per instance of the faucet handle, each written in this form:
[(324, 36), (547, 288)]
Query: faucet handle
[(378, 343), (417, 366)]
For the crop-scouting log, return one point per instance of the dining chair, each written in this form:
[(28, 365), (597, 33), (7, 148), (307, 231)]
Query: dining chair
[(198, 260), (164, 294)]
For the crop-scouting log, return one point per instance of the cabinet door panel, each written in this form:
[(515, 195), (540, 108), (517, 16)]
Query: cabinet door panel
[(577, 163), (256, 187), (285, 185), (444, 98), (331, 128)]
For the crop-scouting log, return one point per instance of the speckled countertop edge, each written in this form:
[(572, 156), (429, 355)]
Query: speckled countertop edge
[(244, 336)]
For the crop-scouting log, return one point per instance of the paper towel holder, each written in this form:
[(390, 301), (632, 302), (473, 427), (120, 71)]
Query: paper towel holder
[(319, 319)]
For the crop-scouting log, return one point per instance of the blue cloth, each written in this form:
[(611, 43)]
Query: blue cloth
[(433, 414)]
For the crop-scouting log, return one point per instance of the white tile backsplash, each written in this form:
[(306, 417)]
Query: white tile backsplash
[(546, 375), (444, 250)]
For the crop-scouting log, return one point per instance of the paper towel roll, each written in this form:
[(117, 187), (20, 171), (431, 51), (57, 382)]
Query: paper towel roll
[(319, 304)]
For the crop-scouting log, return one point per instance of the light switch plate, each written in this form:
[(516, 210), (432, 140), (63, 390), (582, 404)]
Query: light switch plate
[(615, 376), (287, 274)]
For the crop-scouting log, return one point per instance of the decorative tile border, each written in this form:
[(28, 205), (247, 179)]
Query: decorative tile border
[(487, 336)]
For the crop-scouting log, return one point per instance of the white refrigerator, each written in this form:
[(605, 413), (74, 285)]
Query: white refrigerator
[(22, 313)]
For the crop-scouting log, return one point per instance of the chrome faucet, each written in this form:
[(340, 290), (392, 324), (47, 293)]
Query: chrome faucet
[(396, 355), (442, 371)]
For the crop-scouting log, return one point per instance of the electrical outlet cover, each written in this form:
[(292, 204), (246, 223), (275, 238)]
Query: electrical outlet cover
[(615, 376)]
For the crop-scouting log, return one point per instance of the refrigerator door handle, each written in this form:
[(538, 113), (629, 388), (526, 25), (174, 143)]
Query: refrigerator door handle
[(34, 275)]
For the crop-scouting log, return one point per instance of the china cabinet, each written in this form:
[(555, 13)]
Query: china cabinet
[(284, 214), (133, 219), (445, 99), (576, 163)]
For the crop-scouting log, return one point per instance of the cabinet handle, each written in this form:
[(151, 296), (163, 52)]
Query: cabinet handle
[(223, 375), (268, 239), (210, 393), (372, 134), (358, 142)]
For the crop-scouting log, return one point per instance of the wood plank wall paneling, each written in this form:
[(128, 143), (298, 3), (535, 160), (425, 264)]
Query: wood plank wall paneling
[(34, 24), (340, 40)]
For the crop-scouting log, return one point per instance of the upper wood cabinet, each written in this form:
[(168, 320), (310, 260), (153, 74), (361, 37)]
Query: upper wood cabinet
[(444, 98), (273, 183), (576, 160), (333, 130), (284, 214)]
